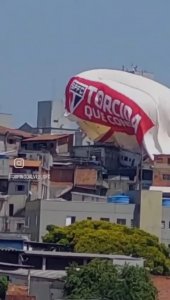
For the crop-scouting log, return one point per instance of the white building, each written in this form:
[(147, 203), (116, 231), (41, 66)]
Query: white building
[(6, 120)]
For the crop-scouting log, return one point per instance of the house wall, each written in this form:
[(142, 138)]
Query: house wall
[(12, 223), (165, 231), (145, 212), (151, 212), (161, 176), (62, 145), (41, 288), (88, 197), (56, 212), (62, 174), (107, 155), (18, 201), (4, 167), (18, 187), (10, 143), (117, 186), (32, 219), (161, 170)]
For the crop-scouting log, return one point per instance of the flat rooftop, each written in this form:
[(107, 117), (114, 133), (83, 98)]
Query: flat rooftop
[(49, 274), (82, 255)]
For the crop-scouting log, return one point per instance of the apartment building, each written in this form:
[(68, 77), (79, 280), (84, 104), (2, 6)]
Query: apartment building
[(143, 211), (54, 143), (10, 139)]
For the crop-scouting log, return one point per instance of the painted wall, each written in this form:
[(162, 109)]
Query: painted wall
[(151, 212)]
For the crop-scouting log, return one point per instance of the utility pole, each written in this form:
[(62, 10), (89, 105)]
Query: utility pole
[(29, 280)]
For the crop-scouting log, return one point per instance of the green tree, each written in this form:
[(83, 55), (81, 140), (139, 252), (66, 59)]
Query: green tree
[(105, 237), (101, 280), (3, 287)]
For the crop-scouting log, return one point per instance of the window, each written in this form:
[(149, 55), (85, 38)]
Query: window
[(169, 224), (132, 223), (70, 220), (125, 158), (163, 224), (35, 146), (11, 210), (20, 188), (27, 221), (20, 226), (11, 141), (105, 219), (159, 159), (166, 176), (168, 161), (121, 221)]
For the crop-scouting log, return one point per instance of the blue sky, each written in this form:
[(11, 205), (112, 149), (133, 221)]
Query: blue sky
[(44, 42)]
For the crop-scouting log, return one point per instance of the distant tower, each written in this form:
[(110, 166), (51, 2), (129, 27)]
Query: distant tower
[(51, 115)]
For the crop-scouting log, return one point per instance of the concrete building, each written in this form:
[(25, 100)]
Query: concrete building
[(34, 174), (13, 196), (50, 115), (51, 119), (54, 143), (44, 285), (10, 139), (161, 171), (48, 284), (12, 217), (6, 120), (144, 212), (107, 155)]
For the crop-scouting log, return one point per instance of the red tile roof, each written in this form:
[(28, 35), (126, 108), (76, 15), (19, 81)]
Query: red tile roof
[(46, 137), (162, 283), (16, 132)]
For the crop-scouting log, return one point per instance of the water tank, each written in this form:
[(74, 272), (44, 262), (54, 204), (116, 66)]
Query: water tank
[(166, 202), (119, 199)]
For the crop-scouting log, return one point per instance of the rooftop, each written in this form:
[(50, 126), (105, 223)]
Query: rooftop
[(46, 137), (163, 189), (83, 255), (16, 132), (48, 274)]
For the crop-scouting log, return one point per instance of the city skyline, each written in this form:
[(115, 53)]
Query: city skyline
[(44, 43)]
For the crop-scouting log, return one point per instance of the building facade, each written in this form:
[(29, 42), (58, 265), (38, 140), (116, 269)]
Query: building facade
[(51, 115), (144, 211), (6, 120)]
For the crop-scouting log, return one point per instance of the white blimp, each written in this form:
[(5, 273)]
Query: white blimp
[(118, 107)]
